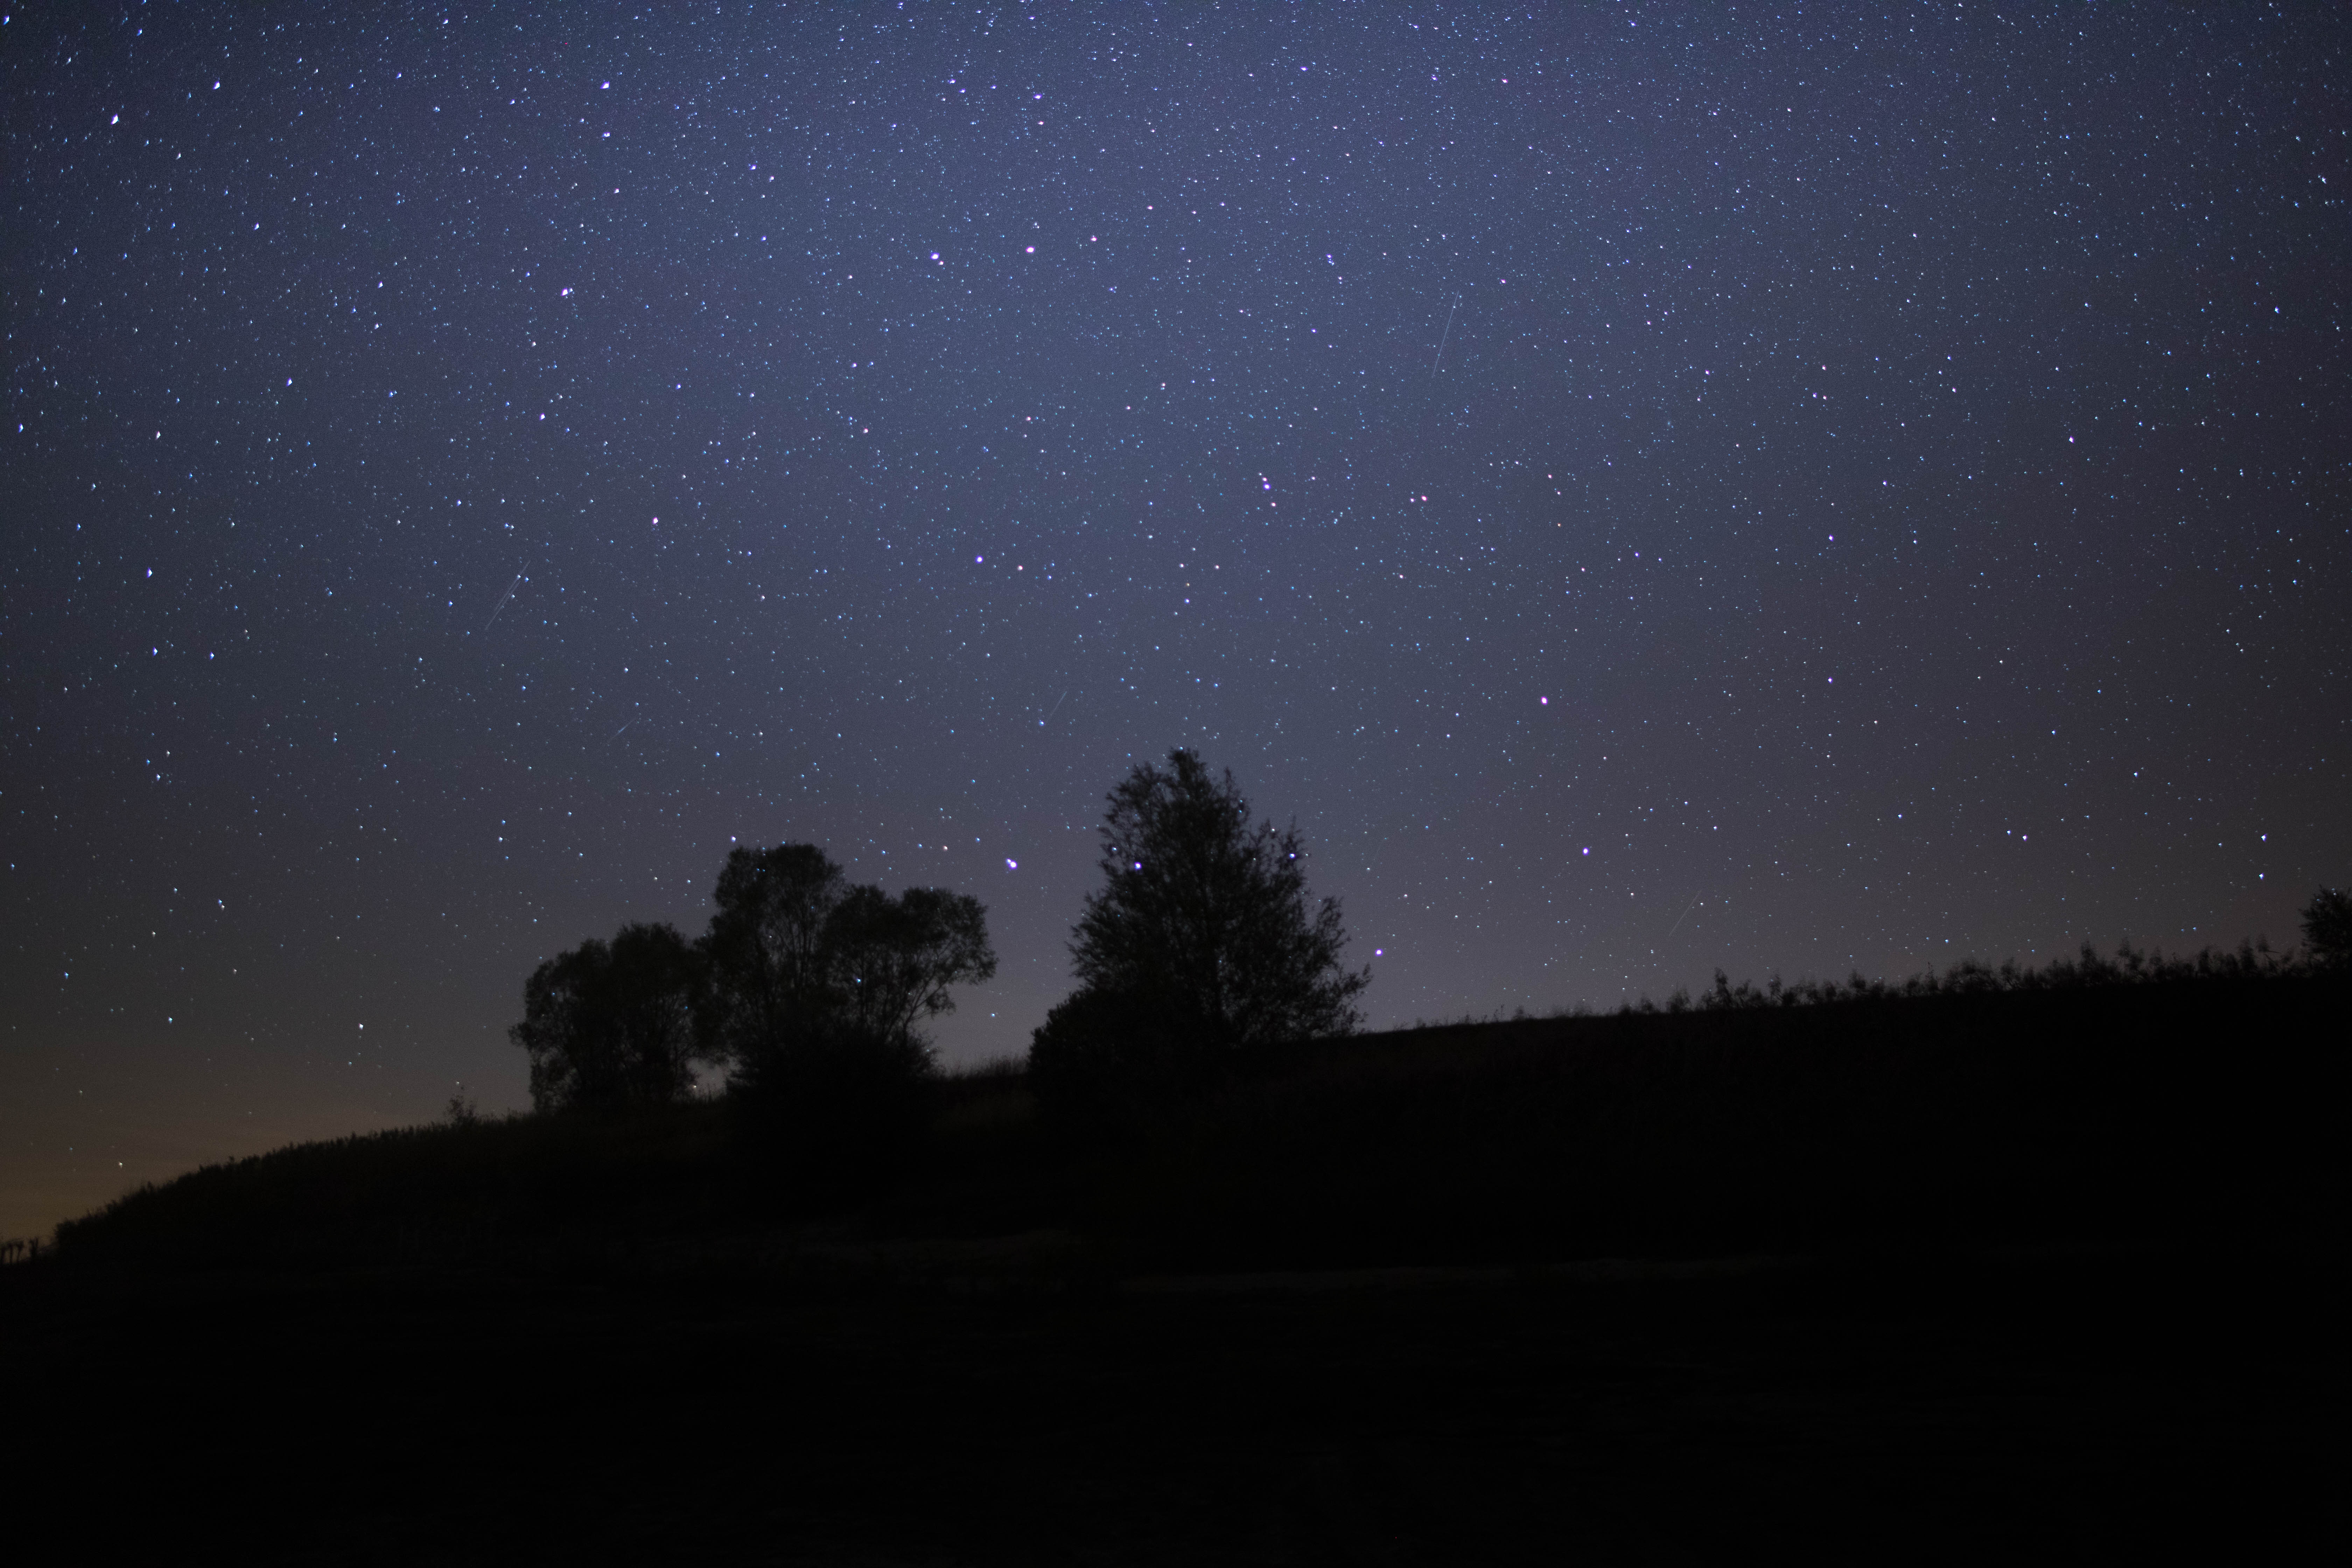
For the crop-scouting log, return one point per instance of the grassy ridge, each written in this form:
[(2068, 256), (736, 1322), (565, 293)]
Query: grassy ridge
[(445, 1194), (2002, 1116), (1860, 1116)]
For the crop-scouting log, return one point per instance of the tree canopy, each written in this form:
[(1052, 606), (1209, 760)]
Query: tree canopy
[(797, 965), (2327, 927), (609, 1025), (800, 959), (773, 971), (896, 957), (1204, 918)]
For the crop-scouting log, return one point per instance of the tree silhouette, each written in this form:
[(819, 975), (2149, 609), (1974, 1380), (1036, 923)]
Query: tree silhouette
[(611, 1025), (814, 991), (772, 983), (2327, 927), (1201, 929), (894, 959), (802, 962), (817, 993)]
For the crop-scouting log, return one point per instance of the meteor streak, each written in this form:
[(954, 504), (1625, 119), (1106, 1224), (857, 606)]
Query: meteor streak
[(1683, 916), (502, 601)]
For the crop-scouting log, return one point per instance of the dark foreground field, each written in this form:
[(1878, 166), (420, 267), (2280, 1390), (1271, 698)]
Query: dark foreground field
[(2085, 1406), (2002, 1278)]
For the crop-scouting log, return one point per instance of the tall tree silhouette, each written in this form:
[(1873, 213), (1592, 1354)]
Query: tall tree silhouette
[(2328, 928), (772, 974), (1205, 920), (611, 1025)]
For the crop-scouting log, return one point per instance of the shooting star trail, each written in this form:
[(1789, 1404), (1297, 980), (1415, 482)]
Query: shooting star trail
[(1048, 719), (1443, 335), (616, 734), (502, 601), (1683, 916)]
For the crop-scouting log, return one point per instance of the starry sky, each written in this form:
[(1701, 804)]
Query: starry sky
[(1647, 488)]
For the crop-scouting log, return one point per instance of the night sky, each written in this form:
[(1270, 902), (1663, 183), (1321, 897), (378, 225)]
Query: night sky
[(1791, 488)]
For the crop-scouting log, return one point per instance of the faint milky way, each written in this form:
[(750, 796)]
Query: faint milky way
[(1886, 468)]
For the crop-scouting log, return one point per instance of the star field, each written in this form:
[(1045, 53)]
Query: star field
[(1649, 489)]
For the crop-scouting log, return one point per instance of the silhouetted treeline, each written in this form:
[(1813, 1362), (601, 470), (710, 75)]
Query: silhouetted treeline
[(2254, 959), (804, 987), (1201, 943)]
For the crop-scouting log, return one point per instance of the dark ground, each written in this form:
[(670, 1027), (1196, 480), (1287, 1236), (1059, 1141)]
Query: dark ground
[(2018, 1276), (2059, 1405)]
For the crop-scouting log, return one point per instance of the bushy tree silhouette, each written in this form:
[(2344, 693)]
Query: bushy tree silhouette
[(611, 1025), (818, 991), (812, 990), (1201, 941), (894, 958), (2328, 928), (801, 961), (773, 982)]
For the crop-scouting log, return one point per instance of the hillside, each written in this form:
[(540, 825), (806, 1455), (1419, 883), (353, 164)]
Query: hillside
[(2033, 1276), (2187, 1106)]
